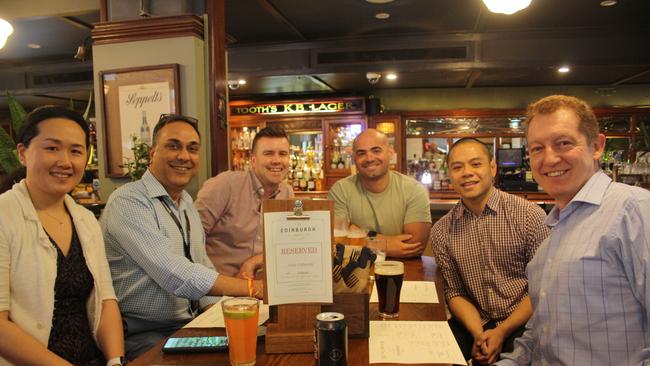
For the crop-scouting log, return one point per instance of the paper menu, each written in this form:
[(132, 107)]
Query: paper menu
[(213, 317), (412, 342), (418, 292), (298, 258)]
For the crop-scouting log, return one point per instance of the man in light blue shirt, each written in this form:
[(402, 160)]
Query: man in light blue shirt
[(588, 281), (155, 242)]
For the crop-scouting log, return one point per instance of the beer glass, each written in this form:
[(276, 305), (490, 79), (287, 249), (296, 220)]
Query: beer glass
[(240, 315), (357, 237), (341, 225), (378, 246), (389, 276)]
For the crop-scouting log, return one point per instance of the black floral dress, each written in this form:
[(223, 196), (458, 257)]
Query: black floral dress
[(71, 335)]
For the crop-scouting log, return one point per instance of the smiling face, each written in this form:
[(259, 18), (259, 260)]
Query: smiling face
[(561, 157), (471, 172), (372, 154), (55, 158), (175, 157), (270, 161)]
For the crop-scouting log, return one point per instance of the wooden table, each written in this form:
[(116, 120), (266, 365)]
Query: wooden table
[(419, 269)]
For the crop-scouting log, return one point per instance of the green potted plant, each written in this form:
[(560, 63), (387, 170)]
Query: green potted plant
[(8, 155), (137, 166)]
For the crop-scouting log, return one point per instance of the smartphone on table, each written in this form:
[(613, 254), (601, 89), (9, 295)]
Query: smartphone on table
[(196, 344)]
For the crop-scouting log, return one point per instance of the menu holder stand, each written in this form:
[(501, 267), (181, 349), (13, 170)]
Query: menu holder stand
[(291, 326)]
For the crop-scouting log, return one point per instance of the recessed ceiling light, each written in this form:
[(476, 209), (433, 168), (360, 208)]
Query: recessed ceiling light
[(382, 16), (608, 2), (379, 1), (34, 45), (391, 76), (242, 82), (563, 69)]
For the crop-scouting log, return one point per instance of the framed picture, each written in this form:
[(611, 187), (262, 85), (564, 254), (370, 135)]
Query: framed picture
[(134, 99)]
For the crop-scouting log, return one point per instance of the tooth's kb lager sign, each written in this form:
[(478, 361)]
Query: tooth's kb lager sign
[(334, 106)]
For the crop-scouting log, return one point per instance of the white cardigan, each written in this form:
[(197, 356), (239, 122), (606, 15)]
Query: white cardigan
[(28, 261)]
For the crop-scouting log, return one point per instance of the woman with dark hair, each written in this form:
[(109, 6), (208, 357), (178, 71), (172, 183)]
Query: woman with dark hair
[(57, 305)]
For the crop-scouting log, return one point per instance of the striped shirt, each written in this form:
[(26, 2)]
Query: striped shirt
[(483, 257), (152, 277), (589, 282)]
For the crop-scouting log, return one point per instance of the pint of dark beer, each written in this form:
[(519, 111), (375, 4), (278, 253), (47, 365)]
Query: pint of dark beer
[(388, 277)]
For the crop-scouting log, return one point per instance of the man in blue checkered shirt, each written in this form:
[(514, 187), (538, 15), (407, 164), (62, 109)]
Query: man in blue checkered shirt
[(588, 281), (155, 242)]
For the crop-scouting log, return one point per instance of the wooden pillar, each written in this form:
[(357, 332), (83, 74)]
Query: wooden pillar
[(217, 85)]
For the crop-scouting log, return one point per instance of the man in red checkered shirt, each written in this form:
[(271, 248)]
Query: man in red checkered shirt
[(482, 247)]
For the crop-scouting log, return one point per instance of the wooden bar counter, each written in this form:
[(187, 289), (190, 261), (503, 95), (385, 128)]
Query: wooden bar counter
[(419, 269)]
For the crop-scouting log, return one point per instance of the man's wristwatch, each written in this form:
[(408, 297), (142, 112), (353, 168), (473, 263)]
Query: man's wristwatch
[(121, 361)]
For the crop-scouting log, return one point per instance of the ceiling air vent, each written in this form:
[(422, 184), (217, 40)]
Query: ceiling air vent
[(73, 77), (410, 54)]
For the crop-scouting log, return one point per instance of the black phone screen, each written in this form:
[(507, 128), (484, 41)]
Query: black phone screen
[(196, 344)]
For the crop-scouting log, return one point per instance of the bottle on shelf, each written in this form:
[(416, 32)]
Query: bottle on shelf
[(252, 136), (246, 139), (235, 162), (340, 164), (334, 159), (319, 181), (302, 185), (311, 183), (240, 140), (426, 179), (436, 184), (145, 132)]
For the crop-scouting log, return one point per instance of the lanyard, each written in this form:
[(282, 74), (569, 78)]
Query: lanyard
[(186, 241)]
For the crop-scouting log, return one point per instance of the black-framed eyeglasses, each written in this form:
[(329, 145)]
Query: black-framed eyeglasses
[(165, 118)]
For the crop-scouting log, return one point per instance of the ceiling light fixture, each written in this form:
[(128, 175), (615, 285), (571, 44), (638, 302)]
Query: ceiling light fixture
[(373, 77), (391, 76), (5, 31), (382, 16), (83, 51), (608, 2), (379, 1), (506, 6), (241, 81), (234, 84), (34, 46), (563, 69)]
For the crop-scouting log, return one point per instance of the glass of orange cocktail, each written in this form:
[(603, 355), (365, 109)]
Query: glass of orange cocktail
[(240, 315)]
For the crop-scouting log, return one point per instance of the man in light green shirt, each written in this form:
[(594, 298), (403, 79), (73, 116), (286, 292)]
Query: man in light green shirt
[(377, 199)]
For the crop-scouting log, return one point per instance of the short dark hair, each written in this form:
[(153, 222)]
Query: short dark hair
[(166, 119), (465, 140), (269, 131), (29, 128), (548, 105)]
